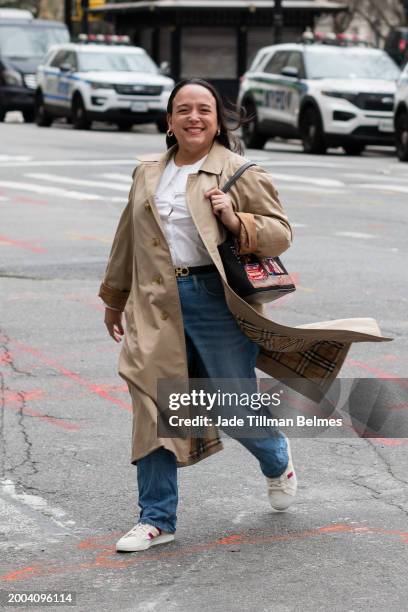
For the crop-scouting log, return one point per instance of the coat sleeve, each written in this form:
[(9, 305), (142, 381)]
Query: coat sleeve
[(115, 287), (265, 229)]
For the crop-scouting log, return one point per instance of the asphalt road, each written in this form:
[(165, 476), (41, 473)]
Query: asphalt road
[(67, 490)]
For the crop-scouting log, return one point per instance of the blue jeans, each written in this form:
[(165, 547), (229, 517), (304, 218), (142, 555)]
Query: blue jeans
[(216, 348)]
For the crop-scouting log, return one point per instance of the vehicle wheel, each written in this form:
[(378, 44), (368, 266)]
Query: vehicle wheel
[(311, 131), (42, 118), (401, 136), (2, 115), (79, 119), (354, 148), (29, 116), (124, 126), (251, 136)]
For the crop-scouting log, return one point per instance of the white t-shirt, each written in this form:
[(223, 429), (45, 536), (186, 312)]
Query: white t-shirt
[(186, 246)]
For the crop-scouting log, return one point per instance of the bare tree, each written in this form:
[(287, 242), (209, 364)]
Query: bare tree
[(45, 9), (380, 15)]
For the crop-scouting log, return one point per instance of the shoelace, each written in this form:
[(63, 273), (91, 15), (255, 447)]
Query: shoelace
[(142, 528), (280, 482)]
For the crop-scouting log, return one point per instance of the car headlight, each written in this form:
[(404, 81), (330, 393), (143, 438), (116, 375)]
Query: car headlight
[(168, 87), (12, 77), (351, 97), (101, 85)]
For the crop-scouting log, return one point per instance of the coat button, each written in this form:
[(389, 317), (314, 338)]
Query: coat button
[(155, 242), (164, 316), (158, 280), (147, 206)]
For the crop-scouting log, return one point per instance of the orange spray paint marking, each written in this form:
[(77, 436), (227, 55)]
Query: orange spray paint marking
[(377, 372), (92, 388), (107, 557), (21, 245), (13, 400), (27, 200)]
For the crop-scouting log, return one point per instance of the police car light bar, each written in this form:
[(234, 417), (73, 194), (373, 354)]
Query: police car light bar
[(106, 39), (342, 40)]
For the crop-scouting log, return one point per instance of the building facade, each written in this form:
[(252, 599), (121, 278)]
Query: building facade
[(212, 39)]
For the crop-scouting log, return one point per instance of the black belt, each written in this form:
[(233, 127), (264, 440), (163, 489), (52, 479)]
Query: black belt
[(186, 271)]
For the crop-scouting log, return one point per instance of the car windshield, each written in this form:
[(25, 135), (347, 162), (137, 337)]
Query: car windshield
[(116, 62), (29, 41), (329, 63)]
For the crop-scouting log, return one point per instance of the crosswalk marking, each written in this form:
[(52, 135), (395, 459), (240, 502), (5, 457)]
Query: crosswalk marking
[(74, 195), (320, 182), (372, 177), (17, 158), (70, 162), (383, 187), (355, 235), (310, 189), (28, 520), (55, 178), (296, 164), (116, 176)]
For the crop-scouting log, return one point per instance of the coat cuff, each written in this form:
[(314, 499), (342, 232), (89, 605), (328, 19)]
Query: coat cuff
[(248, 241), (113, 297)]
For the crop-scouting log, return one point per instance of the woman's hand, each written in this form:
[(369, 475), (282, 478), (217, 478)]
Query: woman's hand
[(113, 322), (222, 208)]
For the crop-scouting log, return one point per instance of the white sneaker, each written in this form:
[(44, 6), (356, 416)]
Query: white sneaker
[(282, 490), (141, 537)]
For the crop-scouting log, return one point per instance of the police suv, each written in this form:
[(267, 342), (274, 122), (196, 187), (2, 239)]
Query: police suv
[(401, 116), (101, 78), (328, 92)]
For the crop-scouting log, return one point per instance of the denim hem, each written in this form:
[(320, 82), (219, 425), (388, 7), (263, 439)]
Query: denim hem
[(157, 525), (279, 475)]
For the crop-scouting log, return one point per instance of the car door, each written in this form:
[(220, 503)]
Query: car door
[(293, 87), (272, 110), (53, 92), (66, 82)]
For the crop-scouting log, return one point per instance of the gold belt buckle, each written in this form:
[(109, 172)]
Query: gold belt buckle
[(182, 271)]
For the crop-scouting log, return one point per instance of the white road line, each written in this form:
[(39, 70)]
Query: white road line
[(35, 502), (54, 178), (73, 195), (383, 187), (28, 521), (299, 225), (3, 199), (297, 164), (14, 158), (355, 235), (371, 177), (71, 162), (116, 176), (308, 189), (295, 178)]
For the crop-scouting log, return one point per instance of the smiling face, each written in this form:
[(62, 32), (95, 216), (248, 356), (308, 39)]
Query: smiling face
[(194, 120)]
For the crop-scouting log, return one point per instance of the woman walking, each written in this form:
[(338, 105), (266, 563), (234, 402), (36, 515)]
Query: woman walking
[(182, 318)]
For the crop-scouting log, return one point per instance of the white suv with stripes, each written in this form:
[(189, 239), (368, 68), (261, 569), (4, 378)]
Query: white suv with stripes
[(90, 81), (327, 95)]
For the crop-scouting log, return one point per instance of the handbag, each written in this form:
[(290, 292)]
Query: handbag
[(255, 279)]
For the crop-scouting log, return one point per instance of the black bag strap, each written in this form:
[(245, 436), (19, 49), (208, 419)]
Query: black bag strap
[(231, 181)]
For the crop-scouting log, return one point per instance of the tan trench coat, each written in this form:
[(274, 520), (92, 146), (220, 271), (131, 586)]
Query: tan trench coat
[(140, 279)]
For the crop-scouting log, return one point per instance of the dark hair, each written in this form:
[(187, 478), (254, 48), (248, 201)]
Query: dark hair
[(225, 116)]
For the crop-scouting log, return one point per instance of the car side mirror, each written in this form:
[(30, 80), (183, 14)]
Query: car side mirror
[(290, 71), (164, 69), (65, 67)]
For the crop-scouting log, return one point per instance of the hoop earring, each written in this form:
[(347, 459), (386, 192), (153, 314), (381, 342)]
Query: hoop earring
[(218, 132), (169, 133)]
